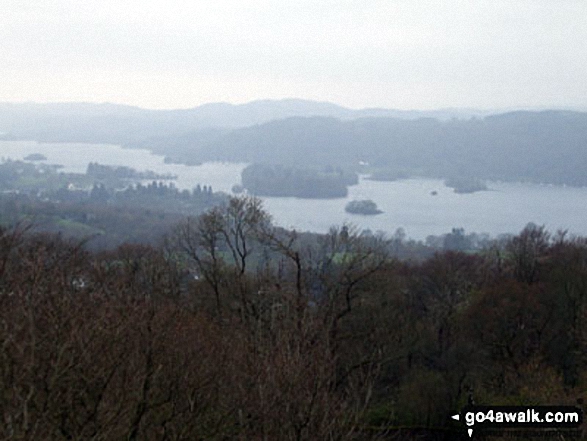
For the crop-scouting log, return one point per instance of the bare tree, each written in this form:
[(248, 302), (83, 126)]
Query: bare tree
[(526, 250), (219, 245)]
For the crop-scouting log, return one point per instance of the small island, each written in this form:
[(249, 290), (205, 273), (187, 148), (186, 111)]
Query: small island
[(35, 157), (466, 185), (285, 181), (365, 207)]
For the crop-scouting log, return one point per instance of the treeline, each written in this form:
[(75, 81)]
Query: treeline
[(109, 172), (234, 329), (139, 214), (279, 180), (103, 184), (158, 196), (101, 225)]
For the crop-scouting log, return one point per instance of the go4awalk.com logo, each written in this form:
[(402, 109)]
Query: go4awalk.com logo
[(519, 417)]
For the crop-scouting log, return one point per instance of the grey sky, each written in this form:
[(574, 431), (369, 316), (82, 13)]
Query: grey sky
[(395, 53)]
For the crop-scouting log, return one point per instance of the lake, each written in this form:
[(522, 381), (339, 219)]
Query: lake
[(409, 204)]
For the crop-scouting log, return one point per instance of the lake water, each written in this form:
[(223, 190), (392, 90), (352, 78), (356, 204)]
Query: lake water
[(507, 208), (75, 158)]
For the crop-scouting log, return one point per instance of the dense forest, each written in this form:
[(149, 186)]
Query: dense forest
[(231, 328)]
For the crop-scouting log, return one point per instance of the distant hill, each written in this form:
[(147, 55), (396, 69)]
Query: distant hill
[(541, 146), (111, 123), (83, 122), (547, 147), (258, 112)]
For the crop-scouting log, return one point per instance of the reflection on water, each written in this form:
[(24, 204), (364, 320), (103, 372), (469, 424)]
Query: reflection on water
[(408, 203)]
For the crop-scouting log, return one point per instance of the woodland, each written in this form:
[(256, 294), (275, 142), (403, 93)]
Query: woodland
[(232, 328)]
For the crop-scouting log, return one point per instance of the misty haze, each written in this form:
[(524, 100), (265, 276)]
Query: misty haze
[(294, 220)]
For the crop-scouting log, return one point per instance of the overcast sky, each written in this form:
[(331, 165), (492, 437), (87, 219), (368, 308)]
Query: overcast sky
[(407, 54)]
